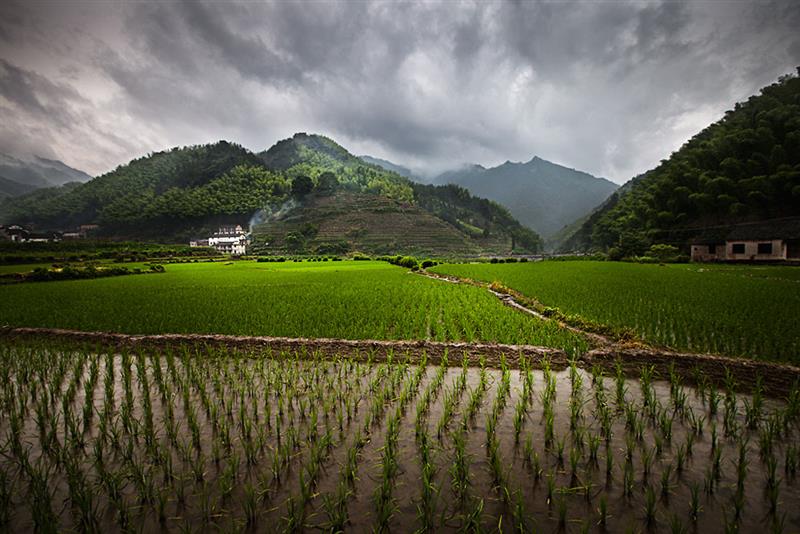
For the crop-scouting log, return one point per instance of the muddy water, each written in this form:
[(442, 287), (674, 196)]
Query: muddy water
[(201, 492)]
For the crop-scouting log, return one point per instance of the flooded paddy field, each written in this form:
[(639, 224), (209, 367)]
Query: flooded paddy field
[(191, 439)]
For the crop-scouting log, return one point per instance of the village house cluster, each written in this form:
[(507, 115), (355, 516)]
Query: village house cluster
[(229, 239), (20, 234)]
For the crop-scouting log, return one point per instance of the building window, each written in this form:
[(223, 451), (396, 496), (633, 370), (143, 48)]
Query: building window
[(765, 248), (737, 248), (712, 249)]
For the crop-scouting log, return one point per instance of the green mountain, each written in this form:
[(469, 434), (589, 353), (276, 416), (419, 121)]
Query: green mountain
[(745, 167), (182, 193), (483, 223), (311, 155), (12, 188), (164, 194), (36, 172), (540, 194)]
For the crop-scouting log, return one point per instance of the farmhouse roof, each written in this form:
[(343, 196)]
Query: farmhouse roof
[(788, 228), (711, 236)]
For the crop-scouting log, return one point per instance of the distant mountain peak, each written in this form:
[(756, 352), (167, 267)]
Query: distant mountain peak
[(543, 195), (37, 172)]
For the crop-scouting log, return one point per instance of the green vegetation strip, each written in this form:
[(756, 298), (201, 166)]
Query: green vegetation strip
[(736, 311), (69, 272), (343, 300)]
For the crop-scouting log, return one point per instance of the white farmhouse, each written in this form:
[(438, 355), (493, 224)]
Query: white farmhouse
[(228, 240)]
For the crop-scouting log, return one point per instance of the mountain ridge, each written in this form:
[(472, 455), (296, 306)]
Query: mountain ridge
[(184, 192), (39, 172), (543, 195)]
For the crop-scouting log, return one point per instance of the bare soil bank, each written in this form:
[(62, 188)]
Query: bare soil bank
[(777, 378)]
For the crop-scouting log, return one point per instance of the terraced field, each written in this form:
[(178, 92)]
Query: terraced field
[(371, 224), (734, 310)]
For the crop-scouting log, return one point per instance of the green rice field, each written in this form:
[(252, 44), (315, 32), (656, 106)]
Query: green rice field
[(349, 300), (734, 310)]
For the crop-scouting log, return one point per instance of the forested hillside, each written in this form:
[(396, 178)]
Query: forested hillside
[(160, 193), (745, 167), (12, 188), (311, 155), (185, 192)]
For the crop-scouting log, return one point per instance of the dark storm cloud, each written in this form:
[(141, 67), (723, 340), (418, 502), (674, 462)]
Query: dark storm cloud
[(178, 32), (36, 95), (609, 87)]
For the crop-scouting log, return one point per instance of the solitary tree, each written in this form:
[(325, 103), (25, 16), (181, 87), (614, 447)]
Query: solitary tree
[(301, 186), (327, 182)]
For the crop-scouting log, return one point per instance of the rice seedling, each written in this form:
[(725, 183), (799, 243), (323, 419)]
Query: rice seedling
[(627, 480), (676, 525), (551, 487), (650, 505), (666, 475), (602, 511), (694, 502), (562, 513), (459, 470)]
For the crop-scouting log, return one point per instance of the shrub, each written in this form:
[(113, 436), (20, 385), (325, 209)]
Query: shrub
[(68, 272), (663, 253), (408, 261)]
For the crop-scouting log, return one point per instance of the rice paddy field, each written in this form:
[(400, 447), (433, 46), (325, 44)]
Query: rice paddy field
[(346, 300), (202, 440), (749, 311)]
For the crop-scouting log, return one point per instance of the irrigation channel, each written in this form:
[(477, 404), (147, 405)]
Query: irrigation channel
[(145, 433)]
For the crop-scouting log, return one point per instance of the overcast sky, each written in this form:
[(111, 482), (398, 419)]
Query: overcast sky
[(606, 87)]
